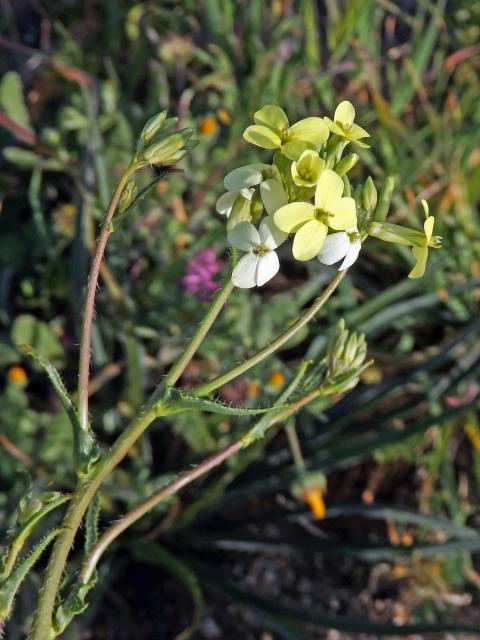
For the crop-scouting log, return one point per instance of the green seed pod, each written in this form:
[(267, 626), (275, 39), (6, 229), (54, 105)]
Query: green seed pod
[(128, 196), (162, 151)]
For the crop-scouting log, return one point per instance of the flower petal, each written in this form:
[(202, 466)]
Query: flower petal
[(268, 266), (313, 130), (244, 236), (244, 274), (355, 132), (351, 256), (343, 214), (334, 128), (420, 254), (248, 176), (293, 149), (240, 211), (273, 195), (225, 203), (270, 234), (309, 240), (345, 113), (262, 137), (290, 217), (329, 190), (271, 116), (428, 227), (335, 247)]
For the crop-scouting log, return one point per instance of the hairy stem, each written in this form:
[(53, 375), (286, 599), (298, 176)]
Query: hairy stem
[(184, 479), (84, 493), (203, 328), (279, 341), (86, 339)]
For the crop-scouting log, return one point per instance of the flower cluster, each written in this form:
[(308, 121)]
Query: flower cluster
[(305, 194)]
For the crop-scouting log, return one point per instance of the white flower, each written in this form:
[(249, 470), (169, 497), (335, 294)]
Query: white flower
[(344, 244), (225, 202), (265, 176), (260, 262)]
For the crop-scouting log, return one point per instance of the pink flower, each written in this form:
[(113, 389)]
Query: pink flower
[(200, 272)]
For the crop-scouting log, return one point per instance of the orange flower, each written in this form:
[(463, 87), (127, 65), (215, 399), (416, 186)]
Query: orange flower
[(224, 116), (208, 126), (17, 375)]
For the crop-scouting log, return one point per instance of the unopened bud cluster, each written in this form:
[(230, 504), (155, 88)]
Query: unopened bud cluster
[(159, 144), (345, 359)]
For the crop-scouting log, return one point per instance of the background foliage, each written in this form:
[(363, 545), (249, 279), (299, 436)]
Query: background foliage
[(237, 555)]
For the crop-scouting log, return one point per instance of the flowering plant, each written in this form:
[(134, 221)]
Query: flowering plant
[(304, 195)]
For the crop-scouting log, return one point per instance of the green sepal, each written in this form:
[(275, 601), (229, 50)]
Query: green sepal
[(177, 401), (256, 207), (10, 586), (84, 442)]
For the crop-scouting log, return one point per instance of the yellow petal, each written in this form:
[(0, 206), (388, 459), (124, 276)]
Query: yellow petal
[(309, 240), (343, 214), (428, 227), (290, 217), (313, 130), (329, 189), (272, 117), (334, 128), (345, 113), (420, 254), (262, 137)]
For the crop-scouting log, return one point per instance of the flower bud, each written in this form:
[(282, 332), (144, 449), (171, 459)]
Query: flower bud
[(165, 148), (153, 127), (369, 195), (128, 196), (346, 164), (383, 204)]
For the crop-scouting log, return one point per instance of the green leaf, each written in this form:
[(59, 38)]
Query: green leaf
[(85, 451), (11, 585), (26, 159), (12, 100), (176, 401)]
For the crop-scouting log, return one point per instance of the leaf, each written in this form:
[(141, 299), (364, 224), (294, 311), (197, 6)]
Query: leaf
[(84, 441), (176, 401), (12, 100), (26, 159), (51, 501), (11, 585), (91, 523)]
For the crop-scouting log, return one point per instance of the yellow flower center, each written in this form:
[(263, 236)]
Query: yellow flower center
[(305, 174), (285, 135), (260, 249), (322, 216)]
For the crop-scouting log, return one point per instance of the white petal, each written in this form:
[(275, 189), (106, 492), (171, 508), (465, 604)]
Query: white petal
[(273, 195), (244, 274), (268, 266), (335, 247), (225, 203), (270, 234), (351, 256), (244, 177), (247, 193), (244, 236)]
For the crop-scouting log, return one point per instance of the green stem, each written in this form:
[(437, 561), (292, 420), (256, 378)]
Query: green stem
[(184, 479), (203, 328), (86, 490), (295, 446), (236, 371)]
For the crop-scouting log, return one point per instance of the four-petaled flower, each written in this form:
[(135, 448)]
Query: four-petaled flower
[(307, 169), (310, 222), (344, 244), (260, 262), (273, 131), (344, 126)]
